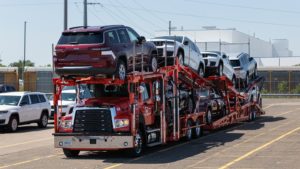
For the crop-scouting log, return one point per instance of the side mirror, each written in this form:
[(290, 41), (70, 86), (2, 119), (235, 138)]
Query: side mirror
[(186, 42), (141, 39)]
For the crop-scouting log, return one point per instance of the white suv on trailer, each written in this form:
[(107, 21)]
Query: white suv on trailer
[(18, 108)]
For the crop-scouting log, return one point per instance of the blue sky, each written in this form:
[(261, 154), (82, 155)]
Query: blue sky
[(268, 19)]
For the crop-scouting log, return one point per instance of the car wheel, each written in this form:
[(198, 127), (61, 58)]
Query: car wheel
[(255, 72), (71, 153), (220, 70), (233, 82), (208, 116), (197, 129), (246, 80), (180, 58), (137, 150), (121, 70), (13, 124), (201, 71), (153, 64), (188, 134), (43, 121)]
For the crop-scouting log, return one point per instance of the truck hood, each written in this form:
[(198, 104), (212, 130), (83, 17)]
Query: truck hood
[(122, 102)]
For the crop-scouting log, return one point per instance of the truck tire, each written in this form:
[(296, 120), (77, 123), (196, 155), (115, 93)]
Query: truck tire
[(139, 145), (43, 122), (198, 129), (13, 123), (188, 134), (71, 153)]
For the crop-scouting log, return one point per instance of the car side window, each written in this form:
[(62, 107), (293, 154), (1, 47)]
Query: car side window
[(25, 100), (123, 36), (42, 98), (112, 37), (34, 99), (132, 35)]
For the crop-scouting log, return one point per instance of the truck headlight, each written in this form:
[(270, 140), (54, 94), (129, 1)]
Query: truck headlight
[(119, 123), (66, 124), (3, 112)]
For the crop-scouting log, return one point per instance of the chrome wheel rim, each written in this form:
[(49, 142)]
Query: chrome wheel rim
[(122, 71), (14, 124), (221, 70), (189, 131), (201, 73), (198, 128), (44, 120), (154, 64), (180, 58), (138, 143), (209, 116)]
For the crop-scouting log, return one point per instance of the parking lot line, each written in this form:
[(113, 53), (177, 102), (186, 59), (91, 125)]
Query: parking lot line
[(271, 105), (28, 161), (259, 148), (27, 142)]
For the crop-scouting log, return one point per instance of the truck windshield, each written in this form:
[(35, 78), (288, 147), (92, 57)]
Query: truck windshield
[(111, 91), (235, 63), (81, 38), (9, 100)]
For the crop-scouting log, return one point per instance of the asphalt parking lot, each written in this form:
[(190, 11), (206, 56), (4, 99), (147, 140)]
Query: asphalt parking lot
[(272, 141)]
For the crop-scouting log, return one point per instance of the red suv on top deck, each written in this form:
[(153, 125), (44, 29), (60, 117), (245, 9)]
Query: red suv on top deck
[(104, 50)]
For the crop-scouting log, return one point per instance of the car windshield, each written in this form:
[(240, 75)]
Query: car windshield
[(208, 55), (235, 63), (81, 38), (68, 96), (177, 38), (9, 100)]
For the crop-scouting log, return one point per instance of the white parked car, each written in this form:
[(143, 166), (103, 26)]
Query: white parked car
[(68, 99), (217, 63), (187, 52), (18, 108)]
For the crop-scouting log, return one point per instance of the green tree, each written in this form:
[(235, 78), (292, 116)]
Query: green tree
[(282, 87), (296, 90), (19, 64), (1, 65)]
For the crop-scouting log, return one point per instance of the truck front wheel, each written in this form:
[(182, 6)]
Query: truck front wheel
[(137, 150), (71, 153)]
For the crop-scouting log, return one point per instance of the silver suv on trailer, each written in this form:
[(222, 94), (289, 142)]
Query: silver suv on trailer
[(18, 108), (245, 67)]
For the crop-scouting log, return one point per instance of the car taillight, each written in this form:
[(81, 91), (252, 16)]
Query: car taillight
[(66, 124)]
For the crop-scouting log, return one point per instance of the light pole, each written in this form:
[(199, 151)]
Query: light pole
[(85, 13), (65, 14), (24, 58)]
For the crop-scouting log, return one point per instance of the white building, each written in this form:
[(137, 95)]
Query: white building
[(233, 41)]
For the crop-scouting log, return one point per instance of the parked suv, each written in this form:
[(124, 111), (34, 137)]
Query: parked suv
[(104, 50), (187, 52), (6, 88), (18, 108), (244, 66), (217, 63)]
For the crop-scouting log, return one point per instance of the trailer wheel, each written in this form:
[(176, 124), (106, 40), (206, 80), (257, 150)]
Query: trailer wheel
[(71, 153), (188, 134), (197, 129), (138, 145), (208, 116)]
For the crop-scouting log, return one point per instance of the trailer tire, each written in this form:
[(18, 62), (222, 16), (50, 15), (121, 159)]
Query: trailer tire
[(198, 129), (138, 143), (188, 134), (71, 153)]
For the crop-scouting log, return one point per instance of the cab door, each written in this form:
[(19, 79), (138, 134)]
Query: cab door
[(147, 104)]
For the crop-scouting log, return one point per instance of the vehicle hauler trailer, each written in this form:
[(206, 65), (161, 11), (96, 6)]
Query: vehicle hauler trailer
[(147, 109)]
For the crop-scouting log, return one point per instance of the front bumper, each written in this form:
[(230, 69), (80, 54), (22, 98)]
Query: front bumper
[(81, 142)]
